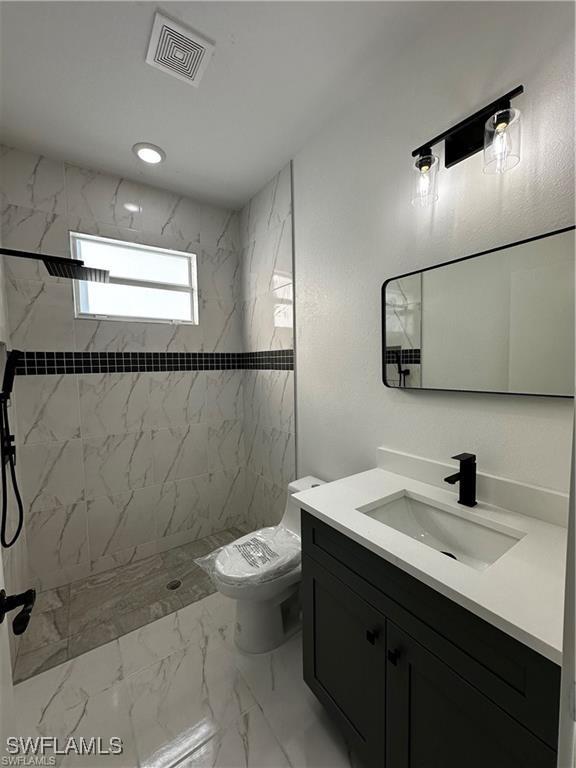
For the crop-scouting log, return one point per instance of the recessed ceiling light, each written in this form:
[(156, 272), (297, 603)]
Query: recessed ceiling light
[(132, 207), (149, 153)]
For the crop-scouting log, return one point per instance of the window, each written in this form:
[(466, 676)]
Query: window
[(146, 283)]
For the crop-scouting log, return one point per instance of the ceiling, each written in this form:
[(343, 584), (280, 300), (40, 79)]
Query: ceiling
[(75, 85)]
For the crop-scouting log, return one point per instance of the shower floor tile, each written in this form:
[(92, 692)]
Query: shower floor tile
[(69, 621)]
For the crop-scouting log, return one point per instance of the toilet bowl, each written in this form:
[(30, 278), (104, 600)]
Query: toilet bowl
[(261, 571)]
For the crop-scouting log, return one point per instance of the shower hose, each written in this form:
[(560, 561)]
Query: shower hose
[(8, 455)]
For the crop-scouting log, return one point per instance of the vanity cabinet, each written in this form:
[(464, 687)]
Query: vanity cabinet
[(435, 718), (349, 668), (412, 679)]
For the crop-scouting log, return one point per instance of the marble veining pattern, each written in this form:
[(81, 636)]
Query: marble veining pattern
[(180, 452), (47, 408), (227, 493), (71, 620), (179, 694), (177, 398), (198, 685), (31, 180), (29, 229), (225, 445), (52, 474), (184, 505), (225, 395), (117, 463), (219, 275), (114, 403), (171, 216), (265, 501), (222, 323), (115, 522), (267, 323), (104, 441), (39, 314), (57, 540), (101, 197)]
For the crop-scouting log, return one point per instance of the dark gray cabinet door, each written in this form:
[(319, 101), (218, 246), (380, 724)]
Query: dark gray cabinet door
[(345, 660), (436, 719)]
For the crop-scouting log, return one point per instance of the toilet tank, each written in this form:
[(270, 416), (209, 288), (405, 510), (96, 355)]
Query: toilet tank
[(291, 517)]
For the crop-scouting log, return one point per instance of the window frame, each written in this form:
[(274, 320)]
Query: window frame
[(191, 288)]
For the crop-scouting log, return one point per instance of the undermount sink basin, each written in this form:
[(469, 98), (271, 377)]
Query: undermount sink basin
[(461, 535)]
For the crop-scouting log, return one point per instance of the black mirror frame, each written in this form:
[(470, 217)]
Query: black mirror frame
[(445, 264)]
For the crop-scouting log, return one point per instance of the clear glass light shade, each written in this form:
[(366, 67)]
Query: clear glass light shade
[(502, 138), (425, 181)]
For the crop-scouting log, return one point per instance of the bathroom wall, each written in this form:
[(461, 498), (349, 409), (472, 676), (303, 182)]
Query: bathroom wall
[(267, 292), (116, 466), (355, 227)]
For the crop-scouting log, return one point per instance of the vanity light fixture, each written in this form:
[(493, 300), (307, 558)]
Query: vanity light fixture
[(495, 128), (149, 153)]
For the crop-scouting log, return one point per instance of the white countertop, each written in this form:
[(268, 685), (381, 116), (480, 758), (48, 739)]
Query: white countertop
[(522, 593)]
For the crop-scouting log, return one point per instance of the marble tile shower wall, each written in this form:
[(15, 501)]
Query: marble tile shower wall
[(117, 466), (267, 291)]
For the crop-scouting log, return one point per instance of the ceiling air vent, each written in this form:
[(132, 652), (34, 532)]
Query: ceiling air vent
[(178, 50)]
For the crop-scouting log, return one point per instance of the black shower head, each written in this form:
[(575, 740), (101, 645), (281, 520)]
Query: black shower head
[(75, 270), (58, 266)]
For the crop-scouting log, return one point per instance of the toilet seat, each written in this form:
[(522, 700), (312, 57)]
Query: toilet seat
[(259, 556)]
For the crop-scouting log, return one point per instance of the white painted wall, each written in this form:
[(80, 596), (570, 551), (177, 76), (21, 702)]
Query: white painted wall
[(355, 227)]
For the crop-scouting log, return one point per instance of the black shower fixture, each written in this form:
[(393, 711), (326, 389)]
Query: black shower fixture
[(59, 266), (8, 453), (467, 137)]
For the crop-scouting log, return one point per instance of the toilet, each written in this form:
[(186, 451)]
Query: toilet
[(262, 572)]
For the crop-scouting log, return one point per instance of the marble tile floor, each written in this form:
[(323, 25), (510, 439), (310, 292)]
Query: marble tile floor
[(69, 621), (180, 695)]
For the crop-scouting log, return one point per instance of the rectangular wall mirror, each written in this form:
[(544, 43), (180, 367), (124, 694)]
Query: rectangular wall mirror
[(500, 321)]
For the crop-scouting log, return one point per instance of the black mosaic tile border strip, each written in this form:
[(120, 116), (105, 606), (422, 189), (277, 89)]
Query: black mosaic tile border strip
[(407, 356), (42, 363)]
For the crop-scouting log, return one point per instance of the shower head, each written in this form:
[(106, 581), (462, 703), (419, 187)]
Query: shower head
[(59, 266), (74, 270)]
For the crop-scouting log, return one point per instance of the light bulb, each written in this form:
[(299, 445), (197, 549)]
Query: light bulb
[(502, 141), (426, 168), (424, 182)]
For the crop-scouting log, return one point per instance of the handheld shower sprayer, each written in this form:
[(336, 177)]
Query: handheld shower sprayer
[(25, 600), (8, 453)]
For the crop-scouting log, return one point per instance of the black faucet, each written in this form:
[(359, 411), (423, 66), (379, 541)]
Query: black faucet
[(466, 477)]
